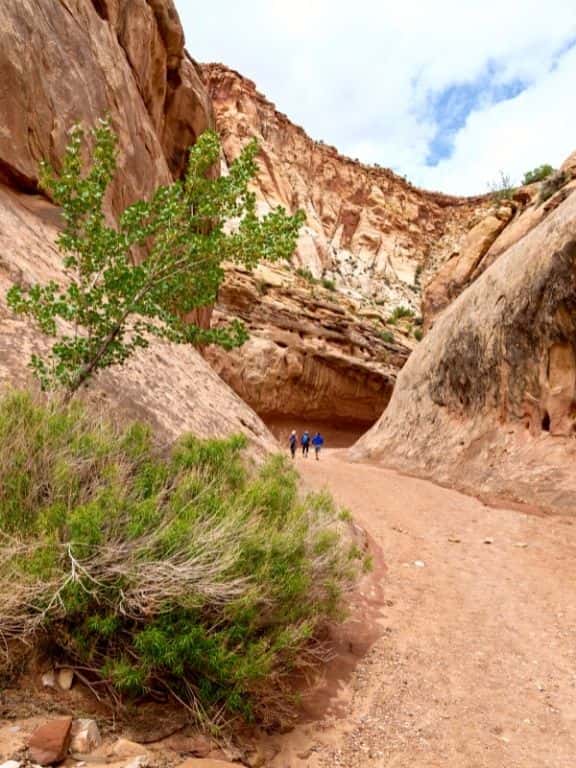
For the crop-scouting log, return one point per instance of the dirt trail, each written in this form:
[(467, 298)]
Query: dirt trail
[(476, 667)]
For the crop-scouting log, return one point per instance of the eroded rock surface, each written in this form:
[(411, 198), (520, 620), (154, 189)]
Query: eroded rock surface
[(313, 353), (170, 386), (505, 224), (367, 228), (369, 235), (78, 60), (488, 400)]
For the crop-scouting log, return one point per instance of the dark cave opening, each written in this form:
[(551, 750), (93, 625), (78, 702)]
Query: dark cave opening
[(336, 434)]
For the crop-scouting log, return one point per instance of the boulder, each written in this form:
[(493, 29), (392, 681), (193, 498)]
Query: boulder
[(126, 748), (197, 745), (456, 273), (48, 744), (49, 679), (85, 736), (65, 679)]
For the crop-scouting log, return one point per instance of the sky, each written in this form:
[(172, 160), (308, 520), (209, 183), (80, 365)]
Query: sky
[(448, 93)]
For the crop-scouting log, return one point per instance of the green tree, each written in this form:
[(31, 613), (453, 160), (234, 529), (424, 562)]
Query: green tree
[(538, 174), (144, 275)]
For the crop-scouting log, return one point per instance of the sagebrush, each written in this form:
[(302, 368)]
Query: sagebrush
[(192, 573)]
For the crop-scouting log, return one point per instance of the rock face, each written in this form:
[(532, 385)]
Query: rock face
[(313, 353), (488, 400), (77, 60), (503, 226), (370, 236), (368, 229)]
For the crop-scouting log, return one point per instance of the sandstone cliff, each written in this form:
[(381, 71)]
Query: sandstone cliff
[(505, 224), (75, 61), (488, 399), (368, 229), (313, 353), (370, 237)]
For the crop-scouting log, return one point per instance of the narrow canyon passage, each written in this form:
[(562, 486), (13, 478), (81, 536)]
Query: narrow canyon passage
[(476, 663)]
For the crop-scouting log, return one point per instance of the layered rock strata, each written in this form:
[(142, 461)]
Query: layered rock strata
[(504, 225), (369, 234), (313, 353), (368, 229)]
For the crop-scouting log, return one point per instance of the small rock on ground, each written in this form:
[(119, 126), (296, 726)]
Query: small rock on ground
[(49, 743)]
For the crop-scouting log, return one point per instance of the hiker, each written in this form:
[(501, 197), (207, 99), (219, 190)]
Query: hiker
[(305, 441), (293, 439), (317, 442)]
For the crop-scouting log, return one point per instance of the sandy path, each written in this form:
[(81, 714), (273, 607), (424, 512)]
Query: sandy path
[(476, 667)]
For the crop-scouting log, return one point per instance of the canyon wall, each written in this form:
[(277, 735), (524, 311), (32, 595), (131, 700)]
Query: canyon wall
[(487, 401), (511, 218), (76, 61), (313, 353), (325, 344), (368, 229)]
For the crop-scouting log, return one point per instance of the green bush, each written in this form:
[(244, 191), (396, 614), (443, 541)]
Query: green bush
[(538, 174), (190, 572), (418, 334), (387, 336), (399, 313), (330, 285), (305, 273)]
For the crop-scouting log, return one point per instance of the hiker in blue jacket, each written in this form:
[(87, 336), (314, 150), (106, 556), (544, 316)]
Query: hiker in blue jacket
[(305, 442), (317, 442)]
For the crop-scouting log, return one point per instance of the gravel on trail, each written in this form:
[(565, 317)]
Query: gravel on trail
[(476, 663)]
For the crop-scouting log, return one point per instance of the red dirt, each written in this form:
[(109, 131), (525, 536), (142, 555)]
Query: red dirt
[(476, 666)]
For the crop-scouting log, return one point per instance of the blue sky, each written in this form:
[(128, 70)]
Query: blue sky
[(448, 93)]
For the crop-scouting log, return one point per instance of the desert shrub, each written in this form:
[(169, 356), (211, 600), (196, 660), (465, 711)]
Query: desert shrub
[(305, 273), (551, 185), (418, 334), (418, 274), (329, 284), (190, 572), (399, 313), (538, 174), (387, 336)]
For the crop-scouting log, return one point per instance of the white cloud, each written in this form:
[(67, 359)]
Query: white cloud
[(537, 126), (362, 75)]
